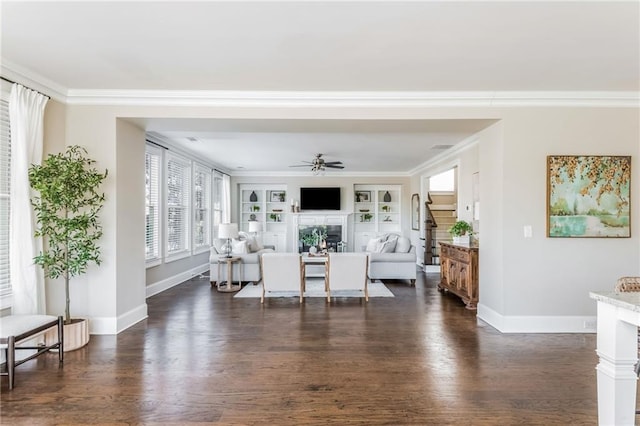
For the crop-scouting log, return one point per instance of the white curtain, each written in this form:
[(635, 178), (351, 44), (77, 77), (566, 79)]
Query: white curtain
[(226, 199), (26, 118)]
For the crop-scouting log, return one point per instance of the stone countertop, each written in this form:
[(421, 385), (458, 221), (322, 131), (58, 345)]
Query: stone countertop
[(628, 300)]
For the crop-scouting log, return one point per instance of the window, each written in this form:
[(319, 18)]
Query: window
[(218, 205), (178, 201), (443, 182), (201, 208), (5, 178), (152, 162)]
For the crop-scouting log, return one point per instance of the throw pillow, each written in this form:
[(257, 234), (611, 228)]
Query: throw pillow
[(403, 245), (218, 244), (253, 245), (388, 246), (372, 245), (239, 247)]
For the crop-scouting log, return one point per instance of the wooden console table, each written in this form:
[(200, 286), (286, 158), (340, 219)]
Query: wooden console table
[(617, 348), (459, 272)]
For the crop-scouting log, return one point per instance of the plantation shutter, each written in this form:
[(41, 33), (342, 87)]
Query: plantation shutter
[(5, 178), (178, 195), (201, 207), (217, 202), (153, 158)]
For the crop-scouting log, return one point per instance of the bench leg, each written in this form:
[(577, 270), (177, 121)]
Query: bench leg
[(61, 339), (11, 359)]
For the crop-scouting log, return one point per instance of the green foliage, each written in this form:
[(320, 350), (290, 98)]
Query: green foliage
[(461, 228), (67, 210), (560, 208), (314, 237)]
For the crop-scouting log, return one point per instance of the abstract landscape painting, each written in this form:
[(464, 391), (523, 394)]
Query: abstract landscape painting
[(588, 196)]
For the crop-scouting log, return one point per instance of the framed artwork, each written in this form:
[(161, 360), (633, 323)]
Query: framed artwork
[(363, 196), (415, 212), (588, 196), (277, 196)]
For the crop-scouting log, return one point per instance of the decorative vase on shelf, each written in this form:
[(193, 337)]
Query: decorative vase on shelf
[(253, 197), (387, 197)]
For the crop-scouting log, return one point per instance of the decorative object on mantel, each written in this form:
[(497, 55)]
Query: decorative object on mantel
[(387, 197), (253, 197), (588, 196), (461, 232)]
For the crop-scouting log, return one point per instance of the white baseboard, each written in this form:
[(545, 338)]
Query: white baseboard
[(114, 325), (431, 269), (536, 324), (167, 283)]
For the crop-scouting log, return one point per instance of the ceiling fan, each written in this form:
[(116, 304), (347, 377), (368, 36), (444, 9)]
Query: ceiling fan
[(318, 164)]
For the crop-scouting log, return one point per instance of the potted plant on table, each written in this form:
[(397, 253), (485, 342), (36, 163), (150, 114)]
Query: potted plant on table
[(67, 207), (461, 232)]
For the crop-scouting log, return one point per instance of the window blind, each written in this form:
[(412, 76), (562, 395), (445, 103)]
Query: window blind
[(217, 201), (153, 158), (178, 197), (201, 207), (5, 178)]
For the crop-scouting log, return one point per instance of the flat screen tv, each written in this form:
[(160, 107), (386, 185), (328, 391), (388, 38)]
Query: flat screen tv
[(320, 198)]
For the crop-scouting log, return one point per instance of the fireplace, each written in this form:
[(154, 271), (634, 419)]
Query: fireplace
[(334, 226), (332, 236)]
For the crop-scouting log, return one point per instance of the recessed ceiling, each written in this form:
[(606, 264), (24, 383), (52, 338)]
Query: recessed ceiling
[(359, 46), (364, 146)]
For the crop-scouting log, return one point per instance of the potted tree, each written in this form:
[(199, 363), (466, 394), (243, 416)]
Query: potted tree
[(461, 232), (67, 207)]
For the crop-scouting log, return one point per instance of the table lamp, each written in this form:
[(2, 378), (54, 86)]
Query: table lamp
[(227, 231), (255, 226)]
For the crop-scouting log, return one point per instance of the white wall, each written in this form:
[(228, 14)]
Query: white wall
[(546, 281), (131, 306), (536, 284)]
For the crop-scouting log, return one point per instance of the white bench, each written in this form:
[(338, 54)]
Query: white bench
[(17, 328)]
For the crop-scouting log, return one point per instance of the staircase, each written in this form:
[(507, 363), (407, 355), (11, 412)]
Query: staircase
[(443, 211)]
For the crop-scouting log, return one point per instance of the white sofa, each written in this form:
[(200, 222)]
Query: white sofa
[(392, 256), (249, 252)]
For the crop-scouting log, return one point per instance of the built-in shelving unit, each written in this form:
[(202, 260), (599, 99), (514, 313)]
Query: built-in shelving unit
[(266, 204), (376, 210)]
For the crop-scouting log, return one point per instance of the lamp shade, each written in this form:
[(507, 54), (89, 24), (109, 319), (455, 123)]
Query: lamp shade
[(255, 226), (228, 230)]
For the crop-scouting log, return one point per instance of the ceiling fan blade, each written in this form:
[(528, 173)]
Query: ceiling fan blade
[(333, 166), (300, 165), (332, 162)]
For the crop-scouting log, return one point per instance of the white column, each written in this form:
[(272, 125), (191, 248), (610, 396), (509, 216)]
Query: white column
[(617, 348)]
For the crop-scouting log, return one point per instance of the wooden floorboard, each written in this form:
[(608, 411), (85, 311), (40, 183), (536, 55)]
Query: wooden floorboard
[(203, 357)]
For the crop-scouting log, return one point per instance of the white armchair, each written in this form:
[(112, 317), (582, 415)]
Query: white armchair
[(282, 272), (348, 271)]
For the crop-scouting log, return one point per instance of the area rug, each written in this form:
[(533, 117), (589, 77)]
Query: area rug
[(315, 288)]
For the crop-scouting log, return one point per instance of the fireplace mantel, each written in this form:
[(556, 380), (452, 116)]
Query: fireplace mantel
[(318, 218)]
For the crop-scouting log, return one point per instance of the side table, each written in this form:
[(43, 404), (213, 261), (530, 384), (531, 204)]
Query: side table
[(228, 286)]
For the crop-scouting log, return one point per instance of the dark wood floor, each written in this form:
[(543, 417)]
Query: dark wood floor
[(204, 357)]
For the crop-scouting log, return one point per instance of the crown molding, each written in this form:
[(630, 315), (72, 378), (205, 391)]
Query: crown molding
[(33, 81), (450, 153), (237, 173), (299, 99)]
